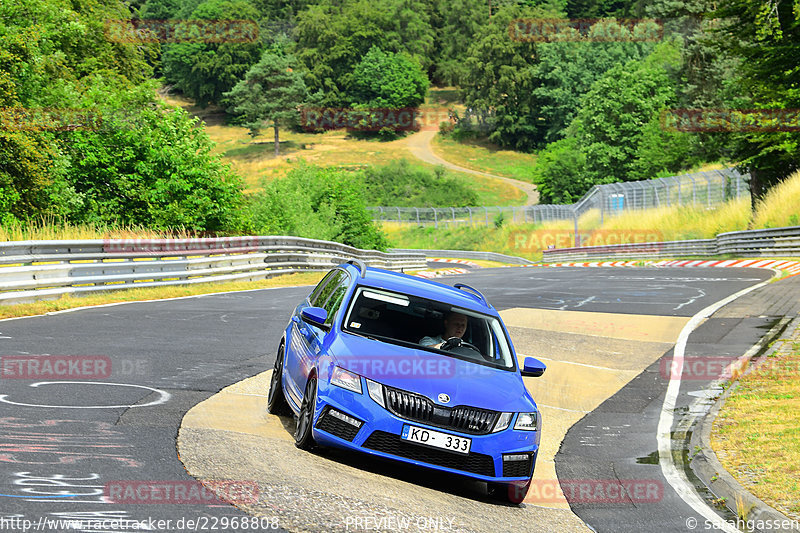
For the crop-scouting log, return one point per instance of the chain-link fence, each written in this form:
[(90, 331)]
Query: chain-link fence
[(707, 189)]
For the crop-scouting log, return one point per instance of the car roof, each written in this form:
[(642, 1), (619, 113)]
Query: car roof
[(415, 286)]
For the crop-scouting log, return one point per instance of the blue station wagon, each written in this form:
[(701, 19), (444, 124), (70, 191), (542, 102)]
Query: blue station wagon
[(410, 370)]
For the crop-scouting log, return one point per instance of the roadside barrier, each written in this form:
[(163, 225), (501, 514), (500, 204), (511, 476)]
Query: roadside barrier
[(38, 270), (774, 242)]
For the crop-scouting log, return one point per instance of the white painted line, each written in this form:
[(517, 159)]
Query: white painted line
[(587, 366), (677, 478), (164, 396), (149, 301), (562, 408)]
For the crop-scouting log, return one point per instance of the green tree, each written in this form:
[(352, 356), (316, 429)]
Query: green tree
[(334, 35), (765, 37), (457, 22), (271, 92), (614, 112), (387, 80), (559, 172), (204, 71)]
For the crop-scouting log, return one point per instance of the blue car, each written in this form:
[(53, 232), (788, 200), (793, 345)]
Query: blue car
[(410, 370)]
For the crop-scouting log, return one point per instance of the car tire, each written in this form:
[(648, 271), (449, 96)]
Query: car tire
[(513, 493), (276, 401), (303, 437)]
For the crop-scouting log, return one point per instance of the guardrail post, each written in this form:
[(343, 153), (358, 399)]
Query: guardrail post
[(417, 210)]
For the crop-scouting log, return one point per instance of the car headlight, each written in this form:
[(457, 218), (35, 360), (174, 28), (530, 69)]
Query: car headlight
[(527, 421), (375, 390), (346, 379), (502, 422)]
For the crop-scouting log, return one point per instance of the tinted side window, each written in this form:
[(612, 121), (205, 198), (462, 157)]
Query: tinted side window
[(337, 296), (316, 295)]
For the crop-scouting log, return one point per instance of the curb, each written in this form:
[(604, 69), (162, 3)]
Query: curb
[(790, 266), (722, 484)]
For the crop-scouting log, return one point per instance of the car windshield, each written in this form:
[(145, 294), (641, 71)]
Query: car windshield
[(420, 323)]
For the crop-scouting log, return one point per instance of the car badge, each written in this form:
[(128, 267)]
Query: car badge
[(443, 398)]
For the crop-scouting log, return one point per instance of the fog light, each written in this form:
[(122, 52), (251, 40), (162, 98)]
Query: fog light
[(516, 457), (345, 418)]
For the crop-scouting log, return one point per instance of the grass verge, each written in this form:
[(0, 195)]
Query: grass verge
[(485, 157), (756, 433), (255, 161), (155, 293)]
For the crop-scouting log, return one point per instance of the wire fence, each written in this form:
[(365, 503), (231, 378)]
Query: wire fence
[(708, 189)]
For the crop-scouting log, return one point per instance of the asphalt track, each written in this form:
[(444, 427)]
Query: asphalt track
[(61, 449)]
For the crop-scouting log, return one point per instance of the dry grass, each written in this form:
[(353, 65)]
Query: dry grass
[(50, 229), (485, 157), (156, 293), (781, 206), (684, 222), (756, 433), (255, 161)]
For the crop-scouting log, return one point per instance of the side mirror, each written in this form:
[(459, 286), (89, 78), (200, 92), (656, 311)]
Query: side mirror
[(316, 316), (532, 367)]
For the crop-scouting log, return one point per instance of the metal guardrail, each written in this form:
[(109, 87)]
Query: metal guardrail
[(467, 254), (775, 242), (37, 270)]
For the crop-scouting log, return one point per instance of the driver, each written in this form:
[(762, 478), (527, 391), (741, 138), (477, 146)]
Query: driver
[(455, 325)]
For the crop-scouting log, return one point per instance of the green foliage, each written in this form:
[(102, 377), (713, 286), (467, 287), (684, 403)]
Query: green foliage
[(203, 71), (401, 184), (458, 21), (334, 35), (616, 135), (318, 203), (271, 92), (387, 80), (765, 37), (559, 172), (150, 167)]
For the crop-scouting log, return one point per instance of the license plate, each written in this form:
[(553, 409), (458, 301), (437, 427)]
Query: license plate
[(436, 439)]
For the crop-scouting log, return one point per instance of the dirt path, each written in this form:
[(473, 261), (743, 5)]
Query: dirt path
[(419, 144)]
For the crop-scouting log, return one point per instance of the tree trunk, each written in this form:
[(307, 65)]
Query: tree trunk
[(277, 145)]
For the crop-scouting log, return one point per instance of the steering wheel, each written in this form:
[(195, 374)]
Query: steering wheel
[(456, 342)]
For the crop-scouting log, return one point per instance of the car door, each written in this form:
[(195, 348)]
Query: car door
[(307, 339)]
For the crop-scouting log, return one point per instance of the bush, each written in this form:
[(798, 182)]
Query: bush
[(398, 183), (317, 203)]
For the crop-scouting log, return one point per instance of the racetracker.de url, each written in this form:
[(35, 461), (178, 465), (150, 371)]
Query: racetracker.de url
[(201, 523)]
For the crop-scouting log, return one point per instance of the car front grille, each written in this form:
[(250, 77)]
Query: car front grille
[(420, 409), (475, 463)]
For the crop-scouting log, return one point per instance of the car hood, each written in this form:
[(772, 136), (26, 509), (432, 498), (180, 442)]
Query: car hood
[(431, 374)]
